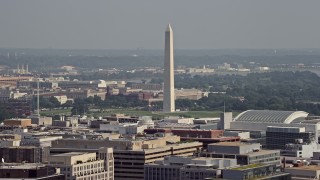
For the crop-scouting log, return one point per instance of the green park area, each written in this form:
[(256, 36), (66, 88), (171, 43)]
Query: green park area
[(52, 112), (136, 112), (159, 114)]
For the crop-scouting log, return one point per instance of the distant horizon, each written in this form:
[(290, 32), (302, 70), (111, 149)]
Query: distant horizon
[(283, 48), (127, 24)]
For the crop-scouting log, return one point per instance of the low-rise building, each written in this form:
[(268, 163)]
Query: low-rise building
[(144, 86), (299, 150), (173, 119), (83, 94), (193, 94), (66, 122), (242, 135), (62, 98), (41, 120), (121, 118), (244, 153), (39, 141), (132, 129), (12, 81), (17, 122), (255, 171), (304, 172), (59, 123)]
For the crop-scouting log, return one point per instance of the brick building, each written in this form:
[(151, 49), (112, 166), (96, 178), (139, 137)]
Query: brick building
[(17, 122)]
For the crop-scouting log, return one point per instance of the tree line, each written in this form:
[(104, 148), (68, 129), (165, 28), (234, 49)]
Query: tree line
[(272, 90)]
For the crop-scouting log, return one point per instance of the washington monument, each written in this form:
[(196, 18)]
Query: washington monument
[(168, 91)]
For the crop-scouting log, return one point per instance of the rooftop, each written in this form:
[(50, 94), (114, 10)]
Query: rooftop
[(71, 154), (231, 144), (308, 168), (21, 165), (262, 152), (250, 166), (17, 119), (268, 116)]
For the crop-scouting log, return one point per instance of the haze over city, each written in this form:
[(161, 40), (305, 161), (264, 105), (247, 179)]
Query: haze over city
[(159, 90), (127, 24)]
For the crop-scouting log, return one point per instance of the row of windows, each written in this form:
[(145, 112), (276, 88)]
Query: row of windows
[(93, 177), (85, 167), (129, 163), (126, 172)]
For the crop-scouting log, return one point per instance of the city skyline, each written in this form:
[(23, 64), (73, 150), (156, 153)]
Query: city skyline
[(101, 90)]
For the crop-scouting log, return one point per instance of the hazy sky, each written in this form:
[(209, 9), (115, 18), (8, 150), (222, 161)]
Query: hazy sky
[(131, 24)]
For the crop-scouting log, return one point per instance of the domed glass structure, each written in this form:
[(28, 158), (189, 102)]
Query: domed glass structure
[(269, 116)]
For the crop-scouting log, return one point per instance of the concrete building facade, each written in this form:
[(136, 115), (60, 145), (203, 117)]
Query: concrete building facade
[(83, 166)]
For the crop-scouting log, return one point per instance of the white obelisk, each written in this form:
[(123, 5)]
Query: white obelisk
[(168, 91)]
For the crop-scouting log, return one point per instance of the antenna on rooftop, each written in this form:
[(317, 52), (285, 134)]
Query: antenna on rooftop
[(38, 102), (224, 106)]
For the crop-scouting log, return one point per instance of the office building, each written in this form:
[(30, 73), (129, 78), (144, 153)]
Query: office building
[(82, 166), (130, 155), (187, 168), (30, 154), (278, 137), (244, 153), (29, 171)]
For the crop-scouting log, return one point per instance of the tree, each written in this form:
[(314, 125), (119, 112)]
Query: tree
[(79, 107), (54, 101), (6, 112)]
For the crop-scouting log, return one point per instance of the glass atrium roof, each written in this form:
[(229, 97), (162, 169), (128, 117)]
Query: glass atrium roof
[(268, 116)]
